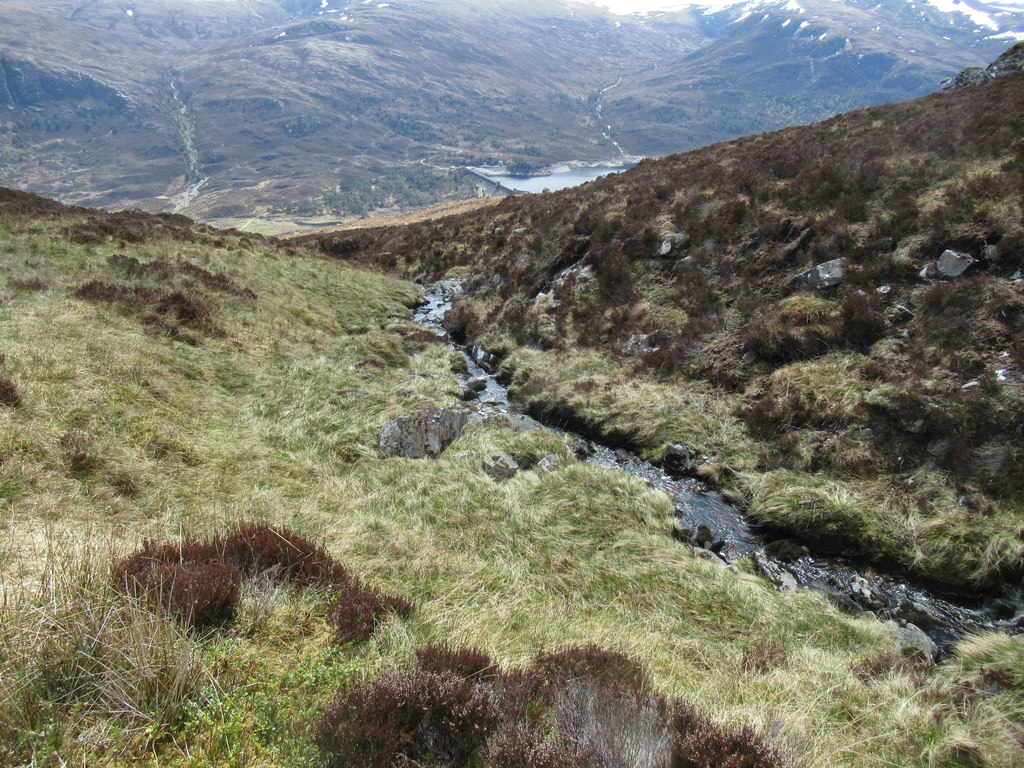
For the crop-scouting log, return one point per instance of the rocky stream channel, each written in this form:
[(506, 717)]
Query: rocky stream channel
[(719, 532)]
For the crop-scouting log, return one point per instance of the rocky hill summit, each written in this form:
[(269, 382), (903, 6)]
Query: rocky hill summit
[(1011, 61)]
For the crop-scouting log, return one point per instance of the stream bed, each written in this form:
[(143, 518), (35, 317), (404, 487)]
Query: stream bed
[(719, 531)]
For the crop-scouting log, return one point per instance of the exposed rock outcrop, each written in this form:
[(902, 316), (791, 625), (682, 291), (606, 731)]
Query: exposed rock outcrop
[(422, 434), (1010, 61), (824, 275)]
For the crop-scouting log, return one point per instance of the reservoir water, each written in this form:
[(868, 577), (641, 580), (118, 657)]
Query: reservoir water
[(552, 181)]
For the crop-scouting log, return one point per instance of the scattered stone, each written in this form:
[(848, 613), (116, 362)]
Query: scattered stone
[(548, 464), (749, 357), (953, 263), (786, 550), (500, 467), (638, 344), (910, 638), (883, 290), (666, 245), (465, 455), (990, 253), (678, 459), (422, 434), (824, 275), (927, 271), (1017, 276), (776, 574)]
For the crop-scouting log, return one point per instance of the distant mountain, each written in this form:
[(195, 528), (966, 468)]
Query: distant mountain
[(229, 107)]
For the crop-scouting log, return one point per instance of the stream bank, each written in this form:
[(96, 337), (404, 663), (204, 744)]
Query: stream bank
[(718, 531)]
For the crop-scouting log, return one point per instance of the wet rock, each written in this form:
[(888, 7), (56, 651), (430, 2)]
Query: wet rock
[(787, 551), (548, 464), (422, 434), (500, 467), (910, 638), (843, 603), (486, 360), (704, 536), (775, 573), (478, 384), (865, 595), (919, 614), (681, 534), (678, 459), (824, 275), (953, 263), (582, 448)]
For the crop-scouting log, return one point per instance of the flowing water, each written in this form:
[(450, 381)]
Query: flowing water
[(852, 587)]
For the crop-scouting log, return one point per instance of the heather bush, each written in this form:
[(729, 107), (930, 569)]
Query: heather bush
[(522, 748), (699, 742), (199, 581), (467, 663), (610, 669), (357, 611), (198, 594), (419, 714), (862, 322)]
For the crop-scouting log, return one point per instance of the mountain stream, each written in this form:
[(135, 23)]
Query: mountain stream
[(721, 526)]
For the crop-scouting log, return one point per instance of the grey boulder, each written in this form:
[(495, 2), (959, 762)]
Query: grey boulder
[(422, 434)]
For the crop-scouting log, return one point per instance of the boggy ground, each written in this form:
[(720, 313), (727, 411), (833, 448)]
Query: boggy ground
[(882, 414)]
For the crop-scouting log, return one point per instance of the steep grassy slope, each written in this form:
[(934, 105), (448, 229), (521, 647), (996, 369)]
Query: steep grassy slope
[(161, 381), (884, 412)]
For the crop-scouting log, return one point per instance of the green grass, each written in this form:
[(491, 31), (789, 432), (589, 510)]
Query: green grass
[(126, 433)]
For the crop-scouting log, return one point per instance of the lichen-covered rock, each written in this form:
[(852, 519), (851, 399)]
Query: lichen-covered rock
[(422, 434), (910, 638), (953, 263), (824, 275)]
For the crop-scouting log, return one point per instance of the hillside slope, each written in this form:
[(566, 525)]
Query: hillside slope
[(164, 381), (882, 413), (231, 109)]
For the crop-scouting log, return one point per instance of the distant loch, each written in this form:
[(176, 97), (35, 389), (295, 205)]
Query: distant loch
[(552, 182)]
